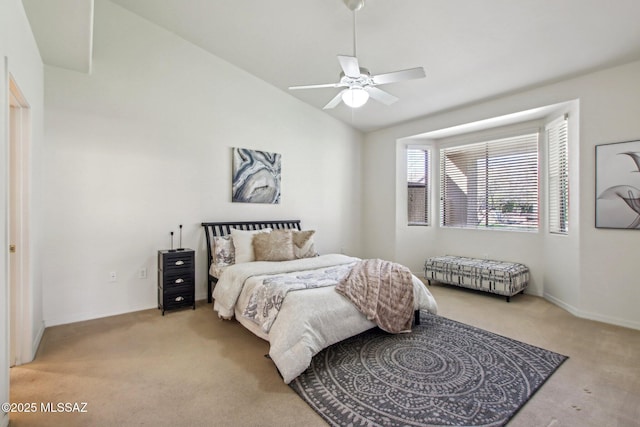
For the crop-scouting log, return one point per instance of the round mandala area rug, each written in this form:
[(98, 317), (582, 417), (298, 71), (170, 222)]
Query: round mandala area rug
[(443, 373)]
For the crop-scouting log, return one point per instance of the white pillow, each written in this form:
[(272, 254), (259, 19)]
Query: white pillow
[(243, 243)]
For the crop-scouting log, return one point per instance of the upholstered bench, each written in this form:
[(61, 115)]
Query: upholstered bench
[(498, 277)]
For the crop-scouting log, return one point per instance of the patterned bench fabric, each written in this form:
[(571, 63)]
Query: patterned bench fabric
[(498, 277)]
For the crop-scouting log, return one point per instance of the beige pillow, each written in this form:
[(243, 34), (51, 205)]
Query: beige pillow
[(242, 243), (303, 244), (274, 246)]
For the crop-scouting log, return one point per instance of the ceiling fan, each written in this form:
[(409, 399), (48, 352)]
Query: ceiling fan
[(357, 82)]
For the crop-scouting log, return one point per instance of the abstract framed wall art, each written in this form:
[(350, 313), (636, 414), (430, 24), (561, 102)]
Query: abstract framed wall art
[(256, 176), (618, 185)]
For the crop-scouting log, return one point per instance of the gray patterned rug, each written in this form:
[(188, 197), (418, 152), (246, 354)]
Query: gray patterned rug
[(444, 373)]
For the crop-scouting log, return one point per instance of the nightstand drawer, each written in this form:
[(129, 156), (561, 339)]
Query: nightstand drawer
[(170, 278), (176, 260), (178, 290), (178, 296)]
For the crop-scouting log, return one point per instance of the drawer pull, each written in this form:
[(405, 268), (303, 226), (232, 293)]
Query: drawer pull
[(180, 299), (180, 262), (179, 281)]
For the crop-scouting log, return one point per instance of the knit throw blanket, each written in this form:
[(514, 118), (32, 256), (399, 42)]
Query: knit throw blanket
[(382, 291)]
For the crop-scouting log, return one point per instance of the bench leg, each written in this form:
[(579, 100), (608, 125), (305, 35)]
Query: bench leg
[(508, 299), (416, 317)]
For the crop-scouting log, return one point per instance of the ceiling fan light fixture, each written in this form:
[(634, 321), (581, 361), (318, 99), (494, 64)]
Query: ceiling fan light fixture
[(355, 97), (354, 4), (357, 83)]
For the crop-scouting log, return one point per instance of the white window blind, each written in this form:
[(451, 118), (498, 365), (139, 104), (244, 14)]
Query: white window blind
[(558, 179), (418, 186), (492, 184)]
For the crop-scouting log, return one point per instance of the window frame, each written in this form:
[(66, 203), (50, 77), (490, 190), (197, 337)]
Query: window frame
[(555, 184), (429, 150)]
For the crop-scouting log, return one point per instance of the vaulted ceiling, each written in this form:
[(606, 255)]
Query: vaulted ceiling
[(471, 50), (64, 32)]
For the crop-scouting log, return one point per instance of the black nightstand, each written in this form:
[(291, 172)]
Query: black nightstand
[(176, 279)]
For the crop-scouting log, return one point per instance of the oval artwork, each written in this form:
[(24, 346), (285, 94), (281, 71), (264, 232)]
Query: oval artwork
[(256, 176)]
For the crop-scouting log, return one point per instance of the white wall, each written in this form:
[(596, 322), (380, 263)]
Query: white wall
[(591, 272), (19, 57), (144, 144), (608, 258)]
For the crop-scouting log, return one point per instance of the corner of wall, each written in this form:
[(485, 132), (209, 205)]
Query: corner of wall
[(36, 342)]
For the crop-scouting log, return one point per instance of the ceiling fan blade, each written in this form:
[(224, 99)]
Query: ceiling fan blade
[(380, 95), (350, 66), (315, 86), (398, 76), (334, 102)]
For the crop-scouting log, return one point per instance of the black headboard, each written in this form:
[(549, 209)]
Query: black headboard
[(213, 229)]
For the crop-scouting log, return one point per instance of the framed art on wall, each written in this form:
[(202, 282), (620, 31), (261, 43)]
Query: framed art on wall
[(256, 176), (618, 185)]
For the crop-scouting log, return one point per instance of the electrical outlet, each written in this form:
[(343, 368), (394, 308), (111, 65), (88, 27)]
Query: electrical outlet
[(142, 273), (113, 277)]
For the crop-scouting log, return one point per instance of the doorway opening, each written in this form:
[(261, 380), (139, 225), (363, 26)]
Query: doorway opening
[(19, 296)]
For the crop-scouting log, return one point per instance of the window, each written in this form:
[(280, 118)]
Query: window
[(491, 185), (557, 140), (418, 185)]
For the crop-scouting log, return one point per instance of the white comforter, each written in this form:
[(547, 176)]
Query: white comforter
[(309, 320)]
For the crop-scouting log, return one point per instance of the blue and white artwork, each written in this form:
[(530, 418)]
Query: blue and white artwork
[(256, 176)]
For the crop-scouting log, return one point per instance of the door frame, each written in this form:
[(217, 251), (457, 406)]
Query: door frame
[(18, 220)]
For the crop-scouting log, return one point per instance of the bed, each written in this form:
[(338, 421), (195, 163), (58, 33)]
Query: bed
[(310, 316)]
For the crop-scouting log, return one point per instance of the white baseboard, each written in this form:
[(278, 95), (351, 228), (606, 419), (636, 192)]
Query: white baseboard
[(571, 309), (533, 292), (592, 316), (90, 315), (36, 341)]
